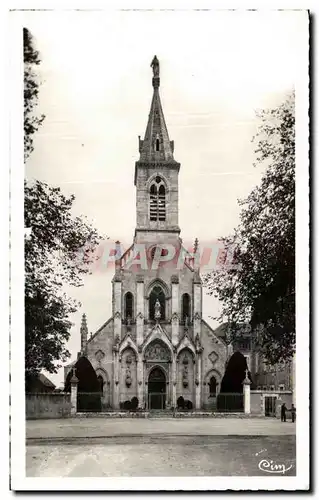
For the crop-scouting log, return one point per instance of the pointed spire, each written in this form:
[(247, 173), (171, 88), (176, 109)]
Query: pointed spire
[(195, 245), (84, 333), (118, 255), (196, 259), (156, 145)]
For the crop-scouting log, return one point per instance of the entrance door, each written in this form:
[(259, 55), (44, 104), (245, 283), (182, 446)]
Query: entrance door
[(270, 406), (156, 389)]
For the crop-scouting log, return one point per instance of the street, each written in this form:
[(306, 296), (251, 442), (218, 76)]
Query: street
[(138, 447)]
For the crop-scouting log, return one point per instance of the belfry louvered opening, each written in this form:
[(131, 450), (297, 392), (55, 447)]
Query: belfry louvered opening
[(157, 200)]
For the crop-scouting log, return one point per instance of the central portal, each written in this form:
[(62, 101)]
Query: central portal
[(156, 389)]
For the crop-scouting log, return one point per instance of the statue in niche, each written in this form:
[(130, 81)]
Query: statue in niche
[(197, 343), (116, 343), (185, 371), (186, 322), (128, 378), (157, 351), (157, 307)]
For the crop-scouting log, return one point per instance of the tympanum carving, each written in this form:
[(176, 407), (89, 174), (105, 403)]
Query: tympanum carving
[(157, 352)]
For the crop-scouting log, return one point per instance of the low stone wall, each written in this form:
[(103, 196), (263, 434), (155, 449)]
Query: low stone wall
[(257, 401), (48, 405)]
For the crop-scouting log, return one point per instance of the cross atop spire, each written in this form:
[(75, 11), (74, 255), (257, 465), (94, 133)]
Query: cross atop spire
[(156, 145)]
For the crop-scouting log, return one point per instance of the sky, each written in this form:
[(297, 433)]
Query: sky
[(217, 69)]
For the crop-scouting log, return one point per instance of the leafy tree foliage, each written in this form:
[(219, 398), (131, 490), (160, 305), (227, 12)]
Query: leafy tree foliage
[(31, 92), (89, 394), (58, 250), (235, 374), (260, 287)]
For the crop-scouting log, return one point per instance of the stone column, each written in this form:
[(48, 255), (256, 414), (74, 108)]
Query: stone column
[(117, 312), (246, 384), (139, 310), (116, 386), (197, 302), (175, 309), (198, 380), (146, 400), (140, 381), (168, 386), (74, 393), (174, 381)]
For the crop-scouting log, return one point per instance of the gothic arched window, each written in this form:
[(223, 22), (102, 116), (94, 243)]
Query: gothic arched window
[(186, 306), (128, 311), (157, 293), (212, 386), (157, 200)]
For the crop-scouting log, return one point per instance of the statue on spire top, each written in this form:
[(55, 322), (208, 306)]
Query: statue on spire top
[(155, 66)]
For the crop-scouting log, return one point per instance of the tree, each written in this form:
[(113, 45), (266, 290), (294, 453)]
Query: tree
[(260, 285), (58, 250), (31, 92), (89, 390), (231, 388)]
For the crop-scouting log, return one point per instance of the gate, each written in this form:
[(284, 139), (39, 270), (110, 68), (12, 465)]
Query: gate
[(156, 400), (230, 402), (270, 406)]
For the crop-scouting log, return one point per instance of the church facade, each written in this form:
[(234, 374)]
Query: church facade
[(156, 346)]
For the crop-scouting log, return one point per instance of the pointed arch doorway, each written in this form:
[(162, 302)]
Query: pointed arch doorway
[(156, 389)]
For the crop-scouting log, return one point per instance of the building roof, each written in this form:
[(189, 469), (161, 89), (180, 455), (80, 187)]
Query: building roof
[(45, 381)]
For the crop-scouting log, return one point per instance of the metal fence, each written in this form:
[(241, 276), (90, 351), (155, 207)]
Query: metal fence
[(89, 402), (230, 402), (98, 401)]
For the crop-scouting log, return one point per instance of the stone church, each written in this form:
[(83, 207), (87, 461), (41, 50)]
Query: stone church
[(156, 346)]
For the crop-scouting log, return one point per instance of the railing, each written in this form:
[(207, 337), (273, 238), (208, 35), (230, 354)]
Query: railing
[(230, 402), (89, 401), (156, 401)]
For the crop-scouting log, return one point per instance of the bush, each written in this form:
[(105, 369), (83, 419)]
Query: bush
[(89, 397), (189, 405), (180, 403), (134, 403), (127, 405)]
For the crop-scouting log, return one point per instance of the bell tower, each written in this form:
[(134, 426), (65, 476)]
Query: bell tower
[(156, 175)]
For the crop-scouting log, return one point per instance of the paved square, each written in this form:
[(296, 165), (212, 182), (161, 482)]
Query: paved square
[(97, 447), (109, 427)]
